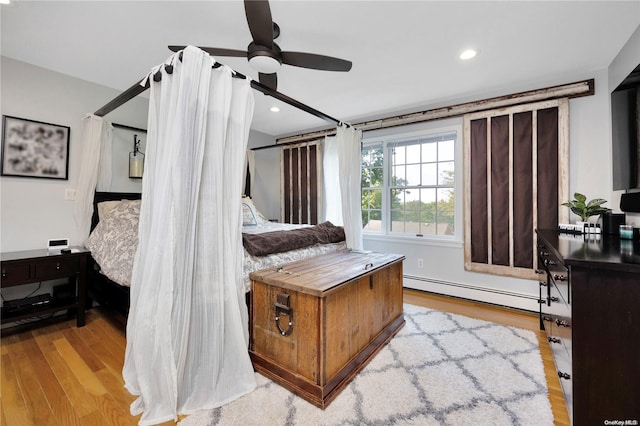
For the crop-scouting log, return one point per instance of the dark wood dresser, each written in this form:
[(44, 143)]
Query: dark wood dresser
[(33, 266), (590, 311)]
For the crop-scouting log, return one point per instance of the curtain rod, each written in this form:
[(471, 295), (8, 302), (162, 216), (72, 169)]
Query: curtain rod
[(138, 88), (124, 126)]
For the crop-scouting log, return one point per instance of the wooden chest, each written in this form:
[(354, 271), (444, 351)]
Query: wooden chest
[(316, 323)]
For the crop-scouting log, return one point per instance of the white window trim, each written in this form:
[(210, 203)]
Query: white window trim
[(433, 128)]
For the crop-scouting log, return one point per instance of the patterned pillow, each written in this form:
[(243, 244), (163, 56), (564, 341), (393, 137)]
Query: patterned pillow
[(114, 241)]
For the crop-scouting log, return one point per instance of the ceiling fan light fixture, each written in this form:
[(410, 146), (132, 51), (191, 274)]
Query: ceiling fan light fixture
[(264, 64)]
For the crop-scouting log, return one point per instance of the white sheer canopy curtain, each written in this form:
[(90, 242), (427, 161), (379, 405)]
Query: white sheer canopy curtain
[(187, 334), (349, 142), (95, 168), (332, 202)]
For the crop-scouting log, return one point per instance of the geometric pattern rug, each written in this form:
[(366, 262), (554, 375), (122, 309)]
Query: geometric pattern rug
[(440, 369)]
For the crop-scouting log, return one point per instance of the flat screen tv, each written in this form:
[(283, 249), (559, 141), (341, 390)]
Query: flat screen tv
[(625, 126)]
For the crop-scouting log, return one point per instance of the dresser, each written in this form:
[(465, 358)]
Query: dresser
[(590, 311), (317, 322), (33, 266)]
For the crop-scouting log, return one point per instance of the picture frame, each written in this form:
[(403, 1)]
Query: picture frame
[(34, 149)]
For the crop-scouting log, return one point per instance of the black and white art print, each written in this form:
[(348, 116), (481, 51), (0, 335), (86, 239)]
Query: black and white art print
[(34, 149)]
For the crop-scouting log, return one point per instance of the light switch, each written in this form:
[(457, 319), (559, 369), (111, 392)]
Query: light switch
[(69, 194)]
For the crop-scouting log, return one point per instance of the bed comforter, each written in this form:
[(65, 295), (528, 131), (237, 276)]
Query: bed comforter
[(114, 241)]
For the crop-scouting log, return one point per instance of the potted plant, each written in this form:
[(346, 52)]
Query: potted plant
[(585, 209)]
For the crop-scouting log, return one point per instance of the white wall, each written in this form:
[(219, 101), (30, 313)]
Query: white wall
[(34, 210), (265, 191), (590, 173)]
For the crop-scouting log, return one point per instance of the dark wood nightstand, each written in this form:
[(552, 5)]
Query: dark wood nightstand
[(32, 266)]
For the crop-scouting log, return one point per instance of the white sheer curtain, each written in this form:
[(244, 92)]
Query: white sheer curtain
[(187, 334), (349, 142), (332, 203), (95, 168)]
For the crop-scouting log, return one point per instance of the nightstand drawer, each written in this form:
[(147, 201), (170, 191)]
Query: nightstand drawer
[(56, 268), (13, 274)]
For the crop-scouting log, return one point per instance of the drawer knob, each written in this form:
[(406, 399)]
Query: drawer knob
[(559, 277), (553, 340), (58, 266), (540, 271), (543, 284), (553, 299), (562, 323), (544, 253), (546, 318), (548, 262), (542, 301), (4, 274), (565, 376)]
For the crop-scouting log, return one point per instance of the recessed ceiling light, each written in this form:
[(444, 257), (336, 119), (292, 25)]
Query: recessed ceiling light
[(274, 109), (468, 54), (5, 1)]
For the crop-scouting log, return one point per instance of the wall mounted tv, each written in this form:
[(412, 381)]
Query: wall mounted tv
[(625, 126)]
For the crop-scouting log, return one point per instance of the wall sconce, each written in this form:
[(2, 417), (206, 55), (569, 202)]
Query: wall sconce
[(136, 159)]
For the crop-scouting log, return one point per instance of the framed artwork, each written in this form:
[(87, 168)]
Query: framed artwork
[(34, 149)]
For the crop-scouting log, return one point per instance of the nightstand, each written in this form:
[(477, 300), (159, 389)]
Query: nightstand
[(32, 266)]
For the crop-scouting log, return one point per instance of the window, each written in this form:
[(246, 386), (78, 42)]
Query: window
[(408, 184)]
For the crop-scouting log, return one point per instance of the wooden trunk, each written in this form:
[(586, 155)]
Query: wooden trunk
[(343, 308)]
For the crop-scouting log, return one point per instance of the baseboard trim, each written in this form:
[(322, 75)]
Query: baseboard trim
[(522, 301)]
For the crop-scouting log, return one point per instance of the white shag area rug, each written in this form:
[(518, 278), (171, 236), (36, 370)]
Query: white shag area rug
[(440, 369)]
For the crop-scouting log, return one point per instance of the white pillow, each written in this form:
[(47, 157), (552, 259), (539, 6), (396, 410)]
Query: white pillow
[(259, 217)]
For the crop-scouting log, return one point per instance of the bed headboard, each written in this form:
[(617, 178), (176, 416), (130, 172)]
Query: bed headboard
[(110, 196)]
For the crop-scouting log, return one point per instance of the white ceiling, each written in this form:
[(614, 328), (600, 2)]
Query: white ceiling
[(404, 54)]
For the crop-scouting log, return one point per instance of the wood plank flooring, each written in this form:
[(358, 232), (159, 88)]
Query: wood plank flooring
[(63, 375)]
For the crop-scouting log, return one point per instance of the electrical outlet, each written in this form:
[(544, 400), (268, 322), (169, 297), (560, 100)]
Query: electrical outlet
[(420, 263), (69, 194)]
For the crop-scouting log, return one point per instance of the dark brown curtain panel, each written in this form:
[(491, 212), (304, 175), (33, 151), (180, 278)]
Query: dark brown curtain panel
[(479, 211), (523, 204), (500, 192), (300, 183), (513, 161)]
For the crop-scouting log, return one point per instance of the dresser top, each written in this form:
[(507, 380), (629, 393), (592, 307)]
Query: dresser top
[(320, 274), (608, 251), (38, 253)]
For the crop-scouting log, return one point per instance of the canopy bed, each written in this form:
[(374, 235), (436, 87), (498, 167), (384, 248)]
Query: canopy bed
[(186, 305), (114, 237)]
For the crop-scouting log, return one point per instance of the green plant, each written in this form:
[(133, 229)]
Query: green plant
[(584, 209)]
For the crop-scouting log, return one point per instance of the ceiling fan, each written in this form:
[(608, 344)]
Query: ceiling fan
[(264, 55)]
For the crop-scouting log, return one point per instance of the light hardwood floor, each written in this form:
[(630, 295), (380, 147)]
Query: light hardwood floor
[(63, 375)]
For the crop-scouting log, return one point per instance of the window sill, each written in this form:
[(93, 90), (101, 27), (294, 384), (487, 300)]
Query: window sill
[(419, 241)]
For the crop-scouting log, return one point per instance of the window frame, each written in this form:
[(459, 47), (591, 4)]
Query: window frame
[(404, 133)]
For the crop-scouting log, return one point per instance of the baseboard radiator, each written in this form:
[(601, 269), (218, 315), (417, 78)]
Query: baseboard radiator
[(528, 302)]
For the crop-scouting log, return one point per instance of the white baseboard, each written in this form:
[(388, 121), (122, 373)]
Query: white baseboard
[(527, 302)]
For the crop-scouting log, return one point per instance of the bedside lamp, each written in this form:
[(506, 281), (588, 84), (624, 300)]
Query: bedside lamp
[(136, 160)]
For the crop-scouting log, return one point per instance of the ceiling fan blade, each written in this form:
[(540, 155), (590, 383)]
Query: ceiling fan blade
[(260, 22), (215, 51), (269, 80), (318, 62)]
